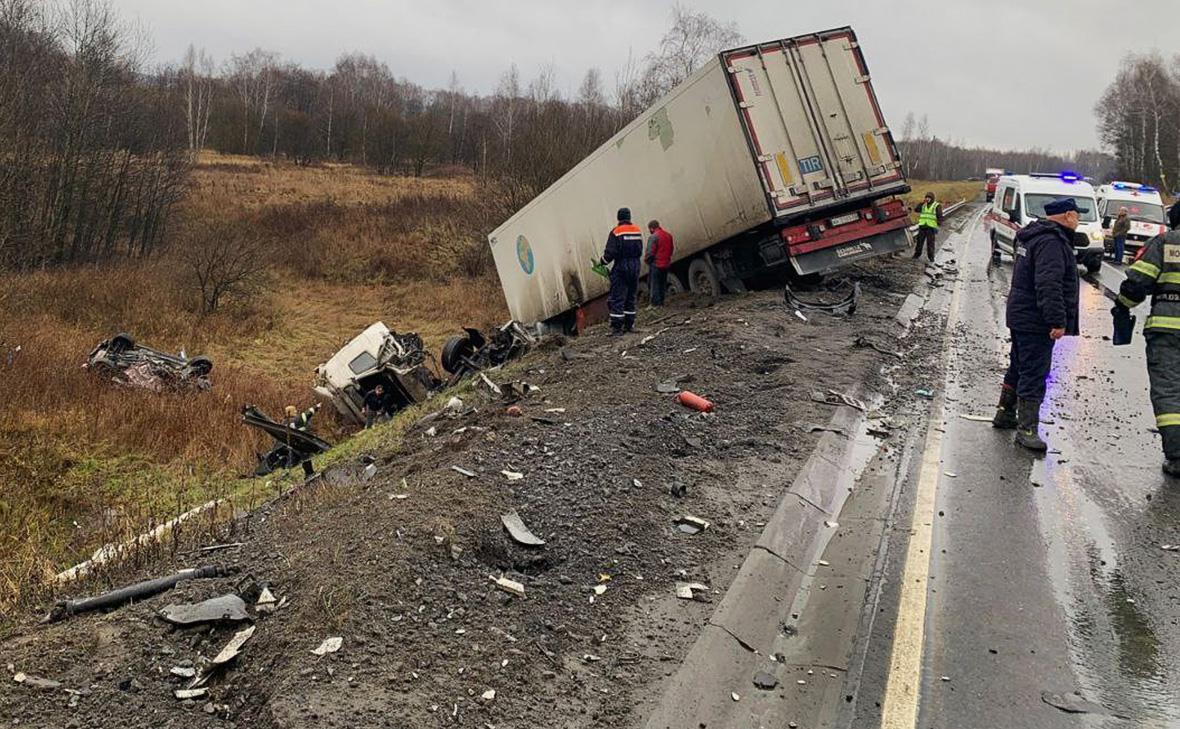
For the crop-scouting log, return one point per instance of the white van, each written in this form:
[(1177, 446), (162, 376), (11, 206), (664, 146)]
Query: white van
[(1144, 206), (1021, 199)]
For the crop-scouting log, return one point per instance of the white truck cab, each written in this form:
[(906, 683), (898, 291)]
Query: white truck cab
[(1021, 199), (1145, 207)]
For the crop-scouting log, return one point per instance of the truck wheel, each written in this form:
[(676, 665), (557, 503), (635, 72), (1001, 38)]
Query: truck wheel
[(702, 279), (674, 285), (453, 352), (200, 366)]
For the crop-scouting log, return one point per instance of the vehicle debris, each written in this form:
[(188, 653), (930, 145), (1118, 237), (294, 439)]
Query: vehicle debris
[(864, 342), (512, 475), (463, 471), (195, 693), (689, 590), (488, 695), (135, 365), (519, 532), (230, 608), (691, 525), (329, 645), (36, 682), (473, 352), (227, 654), (667, 388), (491, 385), (838, 297), (138, 591), (650, 337), (1170, 547), (376, 356), (183, 671), (694, 401), (765, 681), (832, 397), (291, 448), (924, 393), (735, 696), (976, 418), (510, 586)]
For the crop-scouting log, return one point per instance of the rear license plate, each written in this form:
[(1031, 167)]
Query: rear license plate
[(844, 219)]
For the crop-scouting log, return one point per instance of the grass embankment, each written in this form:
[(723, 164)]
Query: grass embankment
[(85, 462), (947, 192)]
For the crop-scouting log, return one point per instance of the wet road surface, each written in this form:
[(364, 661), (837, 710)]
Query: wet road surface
[(1046, 576)]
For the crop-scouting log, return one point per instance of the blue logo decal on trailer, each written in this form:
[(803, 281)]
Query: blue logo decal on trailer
[(811, 164), (524, 254)]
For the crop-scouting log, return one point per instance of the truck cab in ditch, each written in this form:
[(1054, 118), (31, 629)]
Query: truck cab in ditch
[(377, 356)]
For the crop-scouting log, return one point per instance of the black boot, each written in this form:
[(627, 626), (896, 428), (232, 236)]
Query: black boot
[(1028, 413), (1006, 411)]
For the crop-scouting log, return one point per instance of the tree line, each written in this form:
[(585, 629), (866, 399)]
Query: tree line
[(927, 157), (1139, 120), (92, 150)]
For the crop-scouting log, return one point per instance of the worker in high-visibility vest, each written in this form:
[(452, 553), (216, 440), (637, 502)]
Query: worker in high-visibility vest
[(929, 218), (1156, 273)]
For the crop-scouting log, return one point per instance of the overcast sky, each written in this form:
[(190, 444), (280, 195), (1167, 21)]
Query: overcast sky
[(1012, 74)]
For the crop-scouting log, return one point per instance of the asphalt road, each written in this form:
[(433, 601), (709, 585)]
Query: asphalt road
[(1046, 576)]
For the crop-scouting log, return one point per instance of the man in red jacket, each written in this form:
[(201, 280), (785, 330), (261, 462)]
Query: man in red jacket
[(659, 260)]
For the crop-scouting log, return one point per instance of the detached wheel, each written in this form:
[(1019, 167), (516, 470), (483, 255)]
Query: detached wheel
[(702, 279), (454, 351), (121, 342), (200, 366)]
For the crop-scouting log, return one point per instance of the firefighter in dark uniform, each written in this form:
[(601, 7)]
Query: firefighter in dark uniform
[(1043, 307), (624, 249), (1156, 273)]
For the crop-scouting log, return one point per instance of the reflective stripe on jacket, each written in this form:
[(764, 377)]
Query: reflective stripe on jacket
[(625, 241), (1156, 273)]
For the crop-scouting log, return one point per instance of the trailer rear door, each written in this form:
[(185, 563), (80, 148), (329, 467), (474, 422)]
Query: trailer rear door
[(812, 121)]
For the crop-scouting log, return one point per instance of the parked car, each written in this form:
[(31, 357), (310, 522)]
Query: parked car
[(1145, 208), (137, 365), (377, 356)]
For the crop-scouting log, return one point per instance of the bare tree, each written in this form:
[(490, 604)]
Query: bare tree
[(197, 77), (223, 262), (691, 39)]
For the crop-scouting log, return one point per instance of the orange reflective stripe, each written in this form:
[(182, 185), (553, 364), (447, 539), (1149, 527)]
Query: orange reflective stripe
[(627, 228)]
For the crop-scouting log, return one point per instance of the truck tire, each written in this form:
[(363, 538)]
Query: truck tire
[(702, 279), (675, 285), (454, 350)]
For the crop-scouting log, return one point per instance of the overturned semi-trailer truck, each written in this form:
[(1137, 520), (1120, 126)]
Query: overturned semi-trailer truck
[(771, 158)]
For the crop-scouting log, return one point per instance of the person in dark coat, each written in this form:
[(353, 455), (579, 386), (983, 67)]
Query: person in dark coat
[(378, 405), (624, 249), (1042, 308)]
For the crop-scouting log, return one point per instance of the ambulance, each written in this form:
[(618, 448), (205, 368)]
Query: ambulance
[(1021, 199), (1144, 206)]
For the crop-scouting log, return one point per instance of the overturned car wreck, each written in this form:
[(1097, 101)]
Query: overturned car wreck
[(136, 365), (377, 356), (473, 352)]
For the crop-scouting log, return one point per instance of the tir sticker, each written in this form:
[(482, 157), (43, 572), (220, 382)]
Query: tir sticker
[(1171, 253), (524, 254), (807, 165)]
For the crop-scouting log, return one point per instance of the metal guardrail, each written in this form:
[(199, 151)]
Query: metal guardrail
[(949, 210)]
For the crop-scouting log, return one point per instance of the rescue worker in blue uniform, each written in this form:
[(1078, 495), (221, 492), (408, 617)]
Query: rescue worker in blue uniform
[(624, 249), (1043, 307), (1156, 273)]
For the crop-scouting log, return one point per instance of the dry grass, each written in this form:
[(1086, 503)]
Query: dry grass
[(946, 192), (87, 462)]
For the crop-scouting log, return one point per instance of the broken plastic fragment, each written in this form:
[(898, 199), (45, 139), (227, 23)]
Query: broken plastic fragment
[(510, 586), (519, 532), (190, 693), (226, 607), (489, 694), (330, 645), (512, 475), (691, 525), (734, 694), (463, 471)]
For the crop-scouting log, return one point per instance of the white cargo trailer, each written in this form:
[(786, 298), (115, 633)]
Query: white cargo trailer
[(770, 156)]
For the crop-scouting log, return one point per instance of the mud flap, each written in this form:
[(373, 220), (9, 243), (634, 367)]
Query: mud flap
[(829, 259)]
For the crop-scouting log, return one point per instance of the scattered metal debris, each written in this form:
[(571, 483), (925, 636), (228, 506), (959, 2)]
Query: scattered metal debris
[(291, 447), (330, 645), (650, 337), (510, 586), (838, 296), (183, 671), (230, 608), (463, 471), (519, 532), (512, 475), (216, 548), (195, 693), (691, 525), (227, 654), (832, 397), (473, 352), (140, 590), (135, 365), (266, 602)]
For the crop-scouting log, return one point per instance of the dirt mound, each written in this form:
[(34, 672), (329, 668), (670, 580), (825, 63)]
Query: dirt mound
[(401, 566)]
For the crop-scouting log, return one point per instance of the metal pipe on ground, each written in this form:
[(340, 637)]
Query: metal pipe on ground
[(67, 608)]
